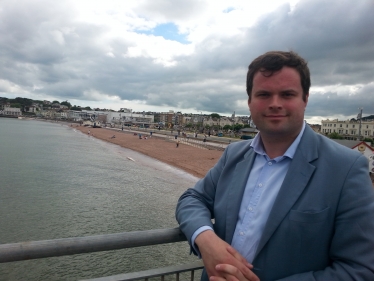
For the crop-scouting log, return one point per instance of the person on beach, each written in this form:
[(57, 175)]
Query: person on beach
[(289, 205)]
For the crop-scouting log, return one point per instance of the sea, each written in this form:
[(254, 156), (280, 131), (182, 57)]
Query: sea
[(56, 182)]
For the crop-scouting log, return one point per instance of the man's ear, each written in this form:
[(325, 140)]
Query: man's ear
[(306, 99)]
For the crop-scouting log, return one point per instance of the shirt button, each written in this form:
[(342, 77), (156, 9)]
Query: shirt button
[(241, 233), (260, 185), (250, 208), (270, 163)]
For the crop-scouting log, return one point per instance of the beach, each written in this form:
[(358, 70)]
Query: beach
[(193, 160)]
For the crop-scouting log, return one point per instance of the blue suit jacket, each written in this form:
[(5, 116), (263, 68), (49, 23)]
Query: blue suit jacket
[(321, 226)]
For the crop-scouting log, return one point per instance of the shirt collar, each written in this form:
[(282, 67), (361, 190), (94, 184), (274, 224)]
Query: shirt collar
[(290, 152)]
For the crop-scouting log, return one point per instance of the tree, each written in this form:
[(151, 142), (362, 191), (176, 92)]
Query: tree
[(335, 135), (66, 103), (215, 115), (216, 127), (56, 101), (23, 101), (87, 108), (16, 105), (237, 127), (369, 140), (227, 127)]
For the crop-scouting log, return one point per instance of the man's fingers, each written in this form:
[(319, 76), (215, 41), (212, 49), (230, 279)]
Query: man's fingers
[(238, 256), (232, 273), (229, 269), (216, 278)]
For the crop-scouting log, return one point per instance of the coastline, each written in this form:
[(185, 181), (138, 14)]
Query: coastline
[(195, 161)]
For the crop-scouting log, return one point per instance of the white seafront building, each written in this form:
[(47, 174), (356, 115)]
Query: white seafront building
[(348, 129), (126, 116), (11, 111)]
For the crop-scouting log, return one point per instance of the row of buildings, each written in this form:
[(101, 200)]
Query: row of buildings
[(348, 129), (124, 116)]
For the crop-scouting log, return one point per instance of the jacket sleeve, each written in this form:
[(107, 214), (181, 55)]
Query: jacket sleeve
[(195, 207), (352, 246)]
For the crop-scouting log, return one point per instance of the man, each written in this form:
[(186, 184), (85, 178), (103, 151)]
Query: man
[(292, 204)]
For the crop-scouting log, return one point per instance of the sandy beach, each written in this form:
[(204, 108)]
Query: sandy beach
[(193, 160)]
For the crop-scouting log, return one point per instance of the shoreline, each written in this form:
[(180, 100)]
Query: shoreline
[(193, 160)]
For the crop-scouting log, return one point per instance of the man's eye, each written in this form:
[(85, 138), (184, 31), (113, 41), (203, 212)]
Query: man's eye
[(288, 94)]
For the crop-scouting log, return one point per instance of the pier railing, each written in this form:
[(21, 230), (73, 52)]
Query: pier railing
[(89, 244)]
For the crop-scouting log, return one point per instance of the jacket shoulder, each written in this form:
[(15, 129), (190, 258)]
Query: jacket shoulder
[(333, 148), (240, 148)]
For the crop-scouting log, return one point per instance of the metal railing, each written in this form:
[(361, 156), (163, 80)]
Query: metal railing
[(159, 272), (196, 143), (89, 244)]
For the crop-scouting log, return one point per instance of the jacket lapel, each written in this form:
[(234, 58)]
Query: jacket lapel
[(297, 178), (235, 195)]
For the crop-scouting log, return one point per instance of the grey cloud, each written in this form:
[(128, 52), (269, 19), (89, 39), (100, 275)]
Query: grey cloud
[(330, 103), (171, 10), (336, 37)]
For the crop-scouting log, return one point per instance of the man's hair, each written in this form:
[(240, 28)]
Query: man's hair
[(273, 61)]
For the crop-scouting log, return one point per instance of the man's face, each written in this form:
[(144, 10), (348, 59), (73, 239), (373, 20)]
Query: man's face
[(277, 106)]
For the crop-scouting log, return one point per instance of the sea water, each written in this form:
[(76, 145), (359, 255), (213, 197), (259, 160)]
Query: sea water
[(56, 182)]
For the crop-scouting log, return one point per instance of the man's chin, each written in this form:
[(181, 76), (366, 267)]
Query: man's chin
[(274, 130)]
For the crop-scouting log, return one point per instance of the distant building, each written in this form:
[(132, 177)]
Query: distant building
[(127, 110), (171, 118), (348, 129), (127, 118), (11, 111), (316, 127), (209, 121), (76, 115)]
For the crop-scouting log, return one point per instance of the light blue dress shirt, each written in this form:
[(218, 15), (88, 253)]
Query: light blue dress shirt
[(263, 184)]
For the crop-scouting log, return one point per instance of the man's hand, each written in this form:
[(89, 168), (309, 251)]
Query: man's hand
[(221, 261)]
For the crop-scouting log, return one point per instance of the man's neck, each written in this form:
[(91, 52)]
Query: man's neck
[(275, 146)]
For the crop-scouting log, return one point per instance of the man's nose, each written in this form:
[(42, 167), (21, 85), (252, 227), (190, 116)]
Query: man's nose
[(275, 102)]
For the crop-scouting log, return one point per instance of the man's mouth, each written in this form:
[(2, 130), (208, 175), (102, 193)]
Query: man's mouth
[(275, 116)]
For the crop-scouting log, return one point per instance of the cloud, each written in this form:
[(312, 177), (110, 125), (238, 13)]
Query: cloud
[(184, 54), (171, 11)]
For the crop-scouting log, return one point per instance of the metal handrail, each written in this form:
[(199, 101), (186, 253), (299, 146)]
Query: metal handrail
[(88, 244)]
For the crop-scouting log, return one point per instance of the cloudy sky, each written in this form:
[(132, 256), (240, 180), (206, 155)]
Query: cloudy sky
[(184, 55)]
